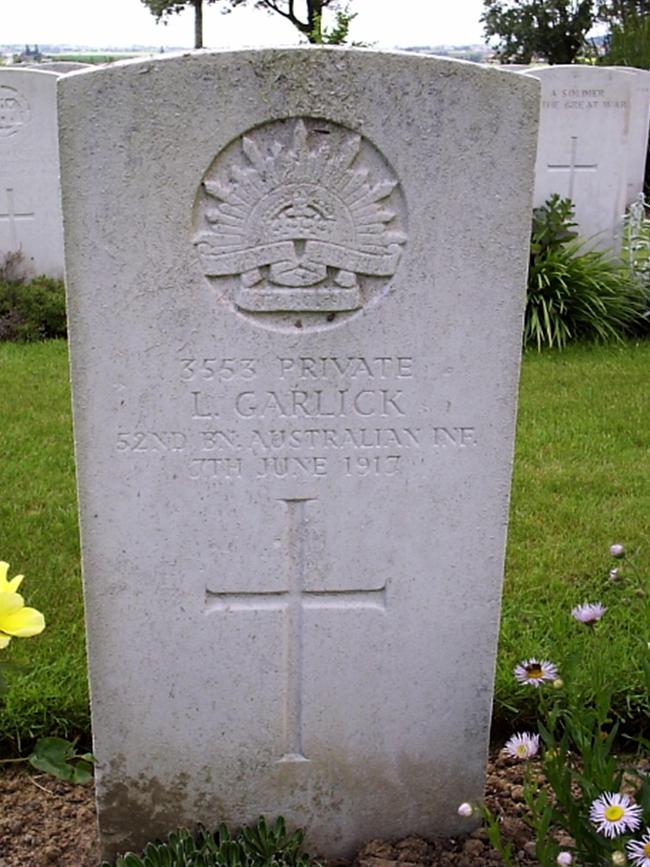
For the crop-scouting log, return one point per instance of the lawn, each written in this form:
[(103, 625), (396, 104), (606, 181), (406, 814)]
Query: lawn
[(581, 483)]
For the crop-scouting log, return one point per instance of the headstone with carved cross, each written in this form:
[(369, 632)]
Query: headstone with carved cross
[(295, 342), (584, 145), (30, 193)]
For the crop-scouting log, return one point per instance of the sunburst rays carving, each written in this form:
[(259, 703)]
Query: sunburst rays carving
[(299, 222)]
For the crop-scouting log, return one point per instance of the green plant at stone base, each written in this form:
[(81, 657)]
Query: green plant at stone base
[(574, 292), (599, 800), (57, 757), (260, 845)]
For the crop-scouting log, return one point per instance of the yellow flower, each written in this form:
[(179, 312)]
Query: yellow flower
[(8, 586), (16, 620)]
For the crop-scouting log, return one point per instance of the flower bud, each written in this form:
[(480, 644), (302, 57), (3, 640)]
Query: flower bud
[(618, 859), (613, 574), (564, 859), (617, 551), (558, 683), (465, 809)]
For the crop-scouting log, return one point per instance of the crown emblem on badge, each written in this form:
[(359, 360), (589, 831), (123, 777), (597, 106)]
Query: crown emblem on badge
[(299, 222)]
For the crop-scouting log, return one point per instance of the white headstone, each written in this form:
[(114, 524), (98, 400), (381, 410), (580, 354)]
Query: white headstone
[(30, 193), (584, 135), (639, 128), (295, 344), (63, 67)]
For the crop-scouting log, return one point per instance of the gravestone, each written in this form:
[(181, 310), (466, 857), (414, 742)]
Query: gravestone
[(584, 137), (30, 193), (295, 343), (62, 67), (639, 127)]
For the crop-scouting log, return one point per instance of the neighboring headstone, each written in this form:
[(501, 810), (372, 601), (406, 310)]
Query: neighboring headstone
[(295, 338), (63, 67), (30, 195), (584, 135), (639, 129)]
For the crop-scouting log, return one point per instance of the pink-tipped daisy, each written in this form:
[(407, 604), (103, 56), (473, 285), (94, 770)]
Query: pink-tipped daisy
[(614, 814), (534, 672), (588, 613), (522, 746), (638, 851)]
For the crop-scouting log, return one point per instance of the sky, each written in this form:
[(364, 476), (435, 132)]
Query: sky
[(121, 23)]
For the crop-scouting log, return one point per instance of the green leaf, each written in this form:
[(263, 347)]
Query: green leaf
[(57, 757)]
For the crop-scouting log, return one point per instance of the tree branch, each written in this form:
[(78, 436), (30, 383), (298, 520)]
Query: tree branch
[(288, 14)]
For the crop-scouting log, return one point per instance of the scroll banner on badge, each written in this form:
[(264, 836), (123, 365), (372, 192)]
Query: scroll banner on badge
[(316, 253)]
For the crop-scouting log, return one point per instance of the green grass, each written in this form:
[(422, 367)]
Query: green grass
[(582, 482), (39, 537)]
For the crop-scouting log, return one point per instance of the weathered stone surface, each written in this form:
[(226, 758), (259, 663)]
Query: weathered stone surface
[(584, 137), (296, 283), (30, 195), (638, 134)]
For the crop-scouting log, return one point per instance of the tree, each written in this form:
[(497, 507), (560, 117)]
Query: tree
[(310, 24), (554, 30), (165, 8), (628, 43), (617, 11)]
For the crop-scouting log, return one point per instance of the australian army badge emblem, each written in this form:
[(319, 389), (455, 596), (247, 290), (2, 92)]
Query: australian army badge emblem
[(300, 215)]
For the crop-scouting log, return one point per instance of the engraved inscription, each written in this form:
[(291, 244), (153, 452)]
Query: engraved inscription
[(14, 110), (581, 98), (299, 216), (343, 416), (292, 602)]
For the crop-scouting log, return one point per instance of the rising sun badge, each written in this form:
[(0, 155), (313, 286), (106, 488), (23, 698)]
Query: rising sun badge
[(305, 215)]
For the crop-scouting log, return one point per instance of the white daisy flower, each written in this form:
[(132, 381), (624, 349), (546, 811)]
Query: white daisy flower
[(638, 851), (535, 672), (614, 814), (588, 613), (522, 746)]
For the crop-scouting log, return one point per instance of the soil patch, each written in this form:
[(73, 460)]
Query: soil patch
[(45, 822)]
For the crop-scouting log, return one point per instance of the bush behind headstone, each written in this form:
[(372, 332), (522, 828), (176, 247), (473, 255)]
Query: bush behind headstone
[(30, 309)]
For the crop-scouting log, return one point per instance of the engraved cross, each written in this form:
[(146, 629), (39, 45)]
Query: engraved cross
[(293, 602), (572, 166), (11, 216)]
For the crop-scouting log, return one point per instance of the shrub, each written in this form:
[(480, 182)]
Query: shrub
[(257, 846), (574, 292), (629, 43), (29, 309)]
